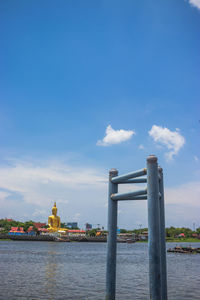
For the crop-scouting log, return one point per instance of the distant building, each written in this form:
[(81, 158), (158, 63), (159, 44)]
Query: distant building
[(143, 236), (88, 226), (17, 231), (195, 235), (30, 231), (39, 225), (76, 232), (43, 230), (72, 225), (181, 235)]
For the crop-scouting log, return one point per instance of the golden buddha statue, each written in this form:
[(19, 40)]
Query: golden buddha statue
[(54, 220)]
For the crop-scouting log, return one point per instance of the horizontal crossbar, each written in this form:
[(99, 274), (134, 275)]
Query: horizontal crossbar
[(128, 196), (143, 197), (137, 180), (120, 179)]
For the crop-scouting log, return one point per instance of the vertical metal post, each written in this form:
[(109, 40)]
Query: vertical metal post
[(153, 228), (112, 238), (162, 239)]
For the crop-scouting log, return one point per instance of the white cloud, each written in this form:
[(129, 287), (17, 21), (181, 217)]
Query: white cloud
[(196, 158), (115, 136), (29, 190), (31, 187), (141, 147), (195, 3), (173, 140), (4, 195), (41, 184)]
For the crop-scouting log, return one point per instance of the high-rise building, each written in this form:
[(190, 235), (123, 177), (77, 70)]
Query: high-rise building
[(72, 225)]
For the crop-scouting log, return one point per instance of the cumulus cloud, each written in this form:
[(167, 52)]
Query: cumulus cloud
[(40, 184), (195, 3), (29, 188), (115, 136), (173, 140), (32, 186)]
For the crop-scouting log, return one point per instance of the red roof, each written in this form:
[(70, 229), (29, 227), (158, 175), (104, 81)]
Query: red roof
[(194, 234), (14, 228), (182, 234), (9, 220), (17, 229), (30, 228), (39, 225)]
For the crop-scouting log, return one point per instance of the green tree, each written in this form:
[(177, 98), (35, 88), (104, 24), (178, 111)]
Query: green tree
[(198, 230), (92, 232)]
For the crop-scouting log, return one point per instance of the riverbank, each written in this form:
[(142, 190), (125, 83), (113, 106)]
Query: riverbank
[(183, 240), (49, 238)]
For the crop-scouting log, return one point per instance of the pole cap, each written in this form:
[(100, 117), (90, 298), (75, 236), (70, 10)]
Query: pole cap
[(113, 172), (152, 159)]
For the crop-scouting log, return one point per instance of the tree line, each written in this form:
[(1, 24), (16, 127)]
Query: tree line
[(6, 225), (171, 232)]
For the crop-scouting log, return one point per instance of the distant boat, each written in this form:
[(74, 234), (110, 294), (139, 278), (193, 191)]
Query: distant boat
[(130, 241)]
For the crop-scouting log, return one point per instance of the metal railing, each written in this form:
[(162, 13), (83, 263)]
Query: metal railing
[(154, 194)]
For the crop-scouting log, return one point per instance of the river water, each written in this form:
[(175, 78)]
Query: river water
[(55, 271)]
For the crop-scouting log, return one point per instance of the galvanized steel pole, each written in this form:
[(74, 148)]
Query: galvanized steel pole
[(112, 238), (153, 228), (162, 240)]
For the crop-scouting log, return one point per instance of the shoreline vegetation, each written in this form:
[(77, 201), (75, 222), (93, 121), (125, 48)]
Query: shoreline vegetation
[(173, 234), (48, 238), (171, 241)]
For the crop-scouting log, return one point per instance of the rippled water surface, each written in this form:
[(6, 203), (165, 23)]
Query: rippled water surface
[(47, 270)]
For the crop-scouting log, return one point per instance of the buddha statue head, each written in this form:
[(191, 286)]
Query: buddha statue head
[(54, 209)]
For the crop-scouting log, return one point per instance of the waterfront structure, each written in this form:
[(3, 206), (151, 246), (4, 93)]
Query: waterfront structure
[(76, 232), (17, 231), (154, 194), (43, 230)]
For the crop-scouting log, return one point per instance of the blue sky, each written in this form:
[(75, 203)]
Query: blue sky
[(86, 86)]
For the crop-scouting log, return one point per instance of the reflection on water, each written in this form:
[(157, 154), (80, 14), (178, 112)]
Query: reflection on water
[(56, 271), (50, 270)]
